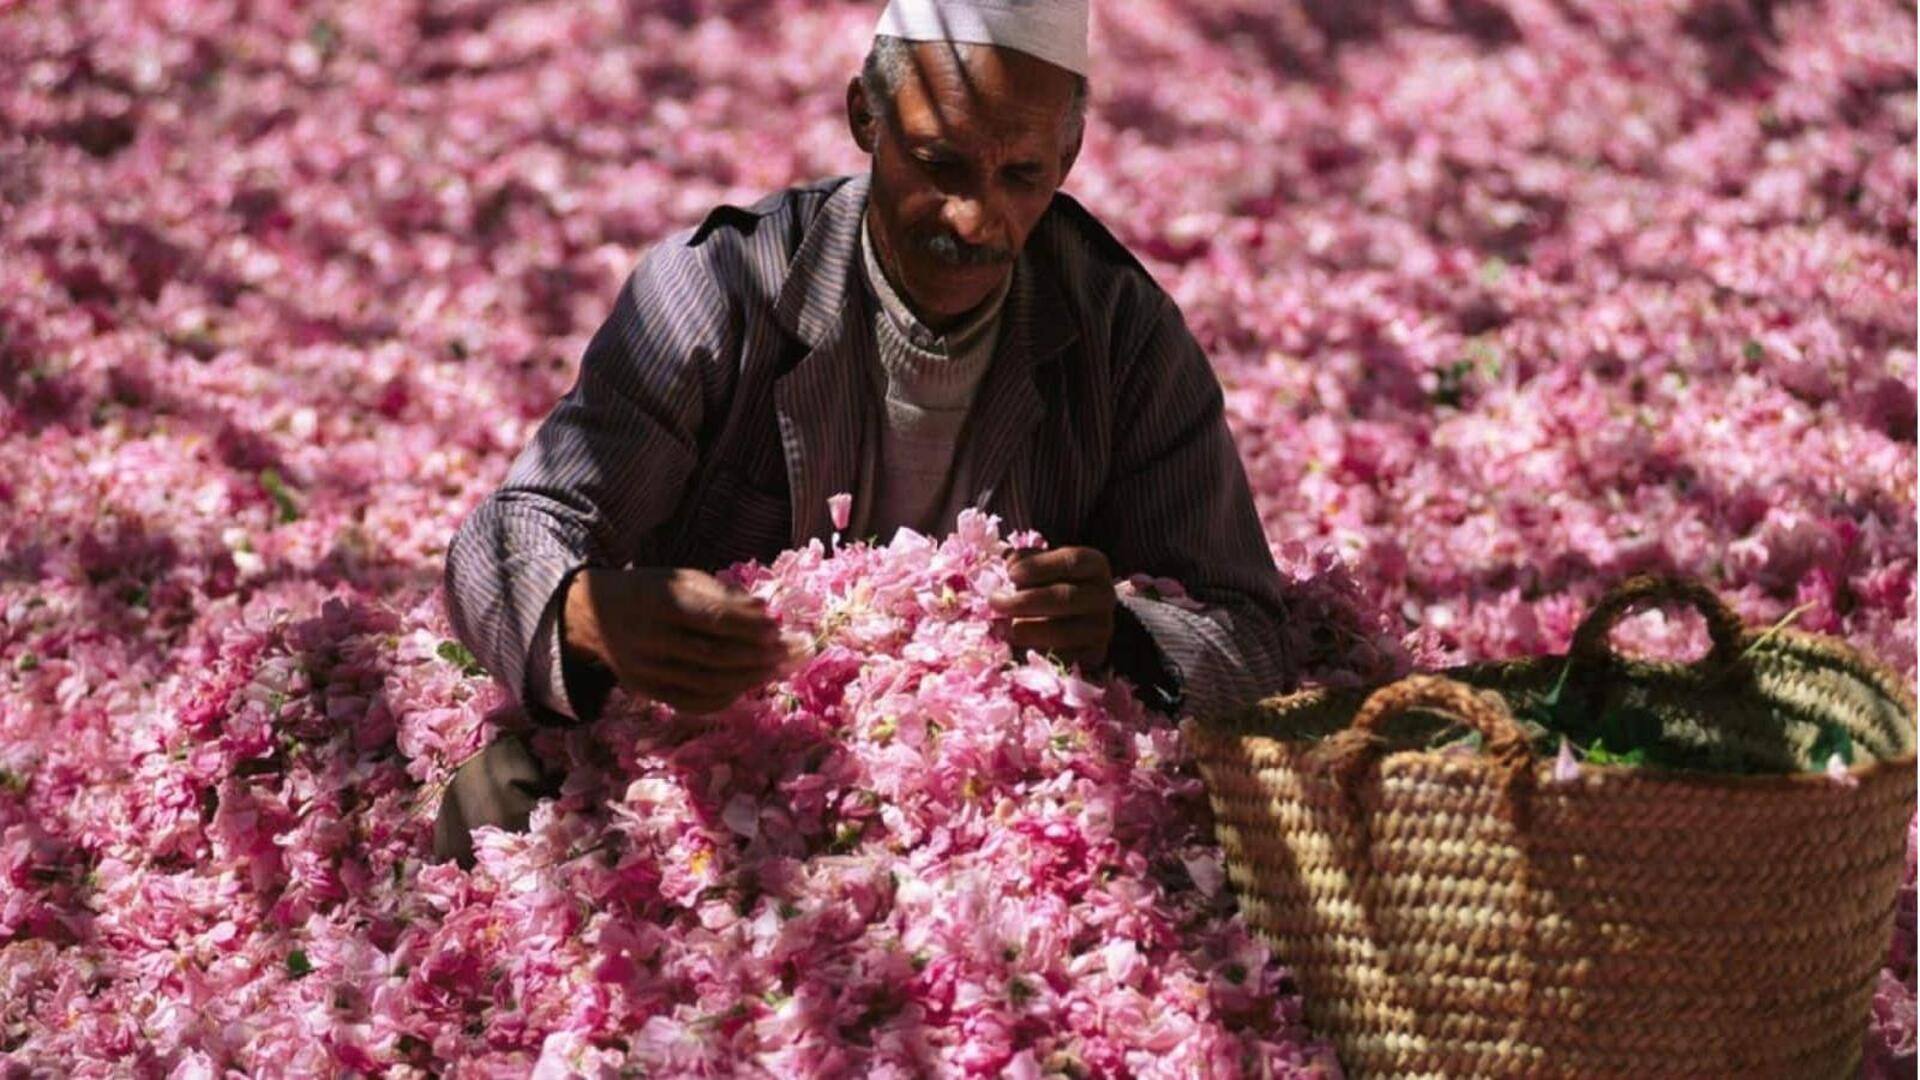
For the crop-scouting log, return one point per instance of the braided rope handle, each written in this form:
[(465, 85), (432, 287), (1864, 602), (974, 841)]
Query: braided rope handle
[(1483, 711), (1592, 645), (1348, 753)]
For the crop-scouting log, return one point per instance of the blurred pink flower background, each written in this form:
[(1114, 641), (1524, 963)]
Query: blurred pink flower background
[(1510, 298)]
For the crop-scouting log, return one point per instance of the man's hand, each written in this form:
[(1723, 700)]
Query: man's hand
[(674, 635), (1062, 603)]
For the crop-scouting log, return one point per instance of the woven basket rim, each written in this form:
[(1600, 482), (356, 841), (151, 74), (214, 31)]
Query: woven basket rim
[(1296, 749), (1229, 727)]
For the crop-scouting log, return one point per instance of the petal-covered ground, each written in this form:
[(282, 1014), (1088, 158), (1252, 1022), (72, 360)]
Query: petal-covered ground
[(1510, 298)]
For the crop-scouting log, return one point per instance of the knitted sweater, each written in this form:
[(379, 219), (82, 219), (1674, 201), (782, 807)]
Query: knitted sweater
[(929, 380)]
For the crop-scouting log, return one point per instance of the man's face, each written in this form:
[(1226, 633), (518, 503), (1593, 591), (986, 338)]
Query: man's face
[(964, 163)]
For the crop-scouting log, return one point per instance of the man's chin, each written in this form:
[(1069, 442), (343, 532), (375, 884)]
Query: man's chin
[(959, 291)]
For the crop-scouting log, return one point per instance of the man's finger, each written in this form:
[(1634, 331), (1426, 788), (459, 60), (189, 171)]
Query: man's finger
[(719, 653), (1056, 600), (681, 656), (738, 617), (1059, 564)]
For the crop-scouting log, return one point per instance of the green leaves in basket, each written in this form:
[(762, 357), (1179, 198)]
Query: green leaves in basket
[(1629, 728), (1598, 754), (1626, 733), (1543, 715), (1458, 738), (1833, 739), (1453, 738)]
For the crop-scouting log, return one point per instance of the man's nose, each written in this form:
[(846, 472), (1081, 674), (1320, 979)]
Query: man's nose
[(972, 219)]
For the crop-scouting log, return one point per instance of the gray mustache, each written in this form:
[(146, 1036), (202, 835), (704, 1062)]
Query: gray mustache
[(953, 251)]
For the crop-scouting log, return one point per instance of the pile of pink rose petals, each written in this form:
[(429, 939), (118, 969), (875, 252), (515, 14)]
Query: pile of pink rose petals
[(912, 853), (1509, 299)]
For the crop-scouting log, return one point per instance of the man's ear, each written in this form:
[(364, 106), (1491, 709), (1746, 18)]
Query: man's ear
[(861, 119), (1072, 153)]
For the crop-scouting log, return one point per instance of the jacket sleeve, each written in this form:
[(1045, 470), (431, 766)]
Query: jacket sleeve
[(606, 468), (1176, 504)]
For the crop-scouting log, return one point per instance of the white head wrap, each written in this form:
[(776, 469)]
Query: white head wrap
[(1053, 30)]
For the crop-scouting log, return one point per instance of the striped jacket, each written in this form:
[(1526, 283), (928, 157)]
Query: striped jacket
[(727, 395)]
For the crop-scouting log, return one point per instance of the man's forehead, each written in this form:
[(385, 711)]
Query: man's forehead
[(951, 86)]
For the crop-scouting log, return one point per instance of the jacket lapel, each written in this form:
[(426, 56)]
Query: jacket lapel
[(1009, 407), (824, 403)]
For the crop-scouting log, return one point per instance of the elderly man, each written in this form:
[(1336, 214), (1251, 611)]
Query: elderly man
[(948, 331)]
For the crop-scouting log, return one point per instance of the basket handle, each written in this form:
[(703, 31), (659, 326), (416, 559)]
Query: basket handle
[(1352, 749), (1349, 752), (1591, 642)]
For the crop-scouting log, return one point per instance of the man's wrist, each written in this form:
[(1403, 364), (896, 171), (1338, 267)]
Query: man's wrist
[(580, 639), (584, 672)]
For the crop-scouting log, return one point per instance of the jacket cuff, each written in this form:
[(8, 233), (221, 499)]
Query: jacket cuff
[(562, 691), (1134, 653)]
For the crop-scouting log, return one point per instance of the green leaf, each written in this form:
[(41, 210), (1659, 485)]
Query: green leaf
[(1598, 754), (1552, 700), (1753, 351), (282, 496), (460, 656), (1833, 739), (27, 662), (1453, 737), (298, 965), (1541, 714)]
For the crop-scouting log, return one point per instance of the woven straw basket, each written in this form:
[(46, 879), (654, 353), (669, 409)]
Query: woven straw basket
[(1452, 913)]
